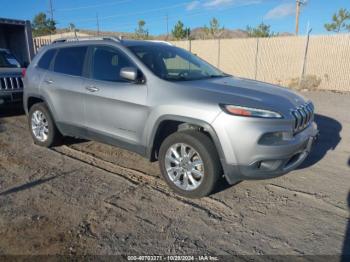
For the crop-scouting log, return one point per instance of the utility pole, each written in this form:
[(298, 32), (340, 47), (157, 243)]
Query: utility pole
[(97, 24), (51, 15), (167, 26), (297, 14), (51, 9)]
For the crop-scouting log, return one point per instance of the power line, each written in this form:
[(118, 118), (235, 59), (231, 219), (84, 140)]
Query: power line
[(133, 13), (157, 19), (170, 18), (92, 6)]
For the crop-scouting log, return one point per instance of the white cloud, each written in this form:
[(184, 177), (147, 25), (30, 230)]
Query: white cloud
[(217, 3), (210, 4), (193, 5), (280, 11)]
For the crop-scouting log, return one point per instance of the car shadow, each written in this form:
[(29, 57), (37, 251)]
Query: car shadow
[(68, 141), (328, 140), (222, 185), (346, 244), (9, 110)]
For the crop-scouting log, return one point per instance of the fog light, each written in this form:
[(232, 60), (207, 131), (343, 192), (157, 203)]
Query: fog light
[(275, 138), (268, 165)]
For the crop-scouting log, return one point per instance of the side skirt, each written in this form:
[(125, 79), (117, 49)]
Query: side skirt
[(84, 133)]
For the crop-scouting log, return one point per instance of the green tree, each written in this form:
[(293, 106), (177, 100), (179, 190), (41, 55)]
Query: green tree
[(71, 27), (339, 21), (214, 30), (180, 32), (41, 25), (262, 30), (141, 32)]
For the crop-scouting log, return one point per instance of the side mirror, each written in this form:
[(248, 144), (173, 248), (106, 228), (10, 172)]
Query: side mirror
[(129, 73)]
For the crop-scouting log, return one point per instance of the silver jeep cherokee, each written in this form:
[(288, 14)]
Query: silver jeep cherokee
[(168, 105)]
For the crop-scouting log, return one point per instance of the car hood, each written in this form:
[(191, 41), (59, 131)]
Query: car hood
[(246, 92)]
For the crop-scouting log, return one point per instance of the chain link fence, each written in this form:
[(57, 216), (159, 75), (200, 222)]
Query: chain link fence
[(301, 62)]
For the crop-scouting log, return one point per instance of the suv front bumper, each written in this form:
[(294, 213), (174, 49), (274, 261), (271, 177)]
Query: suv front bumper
[(12, 96), (243, 158)]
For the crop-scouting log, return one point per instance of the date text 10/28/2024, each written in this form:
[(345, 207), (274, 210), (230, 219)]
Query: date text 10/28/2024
[(172, 258)]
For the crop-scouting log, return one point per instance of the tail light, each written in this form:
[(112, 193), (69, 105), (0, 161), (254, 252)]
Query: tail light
[(24, 71)]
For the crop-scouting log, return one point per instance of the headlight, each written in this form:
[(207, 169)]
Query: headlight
[(250, 112)]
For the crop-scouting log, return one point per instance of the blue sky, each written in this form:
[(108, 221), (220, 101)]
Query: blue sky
[(122, 15)]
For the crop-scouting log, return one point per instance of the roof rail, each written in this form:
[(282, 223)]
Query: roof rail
[(160, 41), (86, 38)]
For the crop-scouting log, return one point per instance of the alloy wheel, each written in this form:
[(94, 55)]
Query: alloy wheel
[(40, 126), (184, 166)]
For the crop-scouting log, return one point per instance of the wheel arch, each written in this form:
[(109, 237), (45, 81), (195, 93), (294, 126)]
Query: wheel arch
[(180, 123), (34, 99)]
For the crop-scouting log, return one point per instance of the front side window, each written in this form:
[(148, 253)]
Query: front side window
[(70, 60), (46, 59), (8, 60), (107, 63), (174, 64)]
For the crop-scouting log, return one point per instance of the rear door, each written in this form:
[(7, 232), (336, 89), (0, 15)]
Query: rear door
[(63, 87), (115, 109)]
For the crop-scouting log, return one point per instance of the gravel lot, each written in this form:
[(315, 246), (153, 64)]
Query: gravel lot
[(88, 198)]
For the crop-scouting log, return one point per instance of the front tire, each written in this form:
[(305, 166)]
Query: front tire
[(189, 163), (42, 127)]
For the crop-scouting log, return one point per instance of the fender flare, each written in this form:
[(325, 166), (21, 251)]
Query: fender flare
[(188, 120), (25, 105)]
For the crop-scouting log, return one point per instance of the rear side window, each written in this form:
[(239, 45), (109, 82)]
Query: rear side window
[(46, 59), (107, 63), (70, 60)]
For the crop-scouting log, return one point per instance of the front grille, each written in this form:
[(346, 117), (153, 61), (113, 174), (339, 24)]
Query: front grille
[(303, 116), (11, 83)]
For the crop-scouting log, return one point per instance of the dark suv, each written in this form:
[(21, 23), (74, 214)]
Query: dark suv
[(11, 85)]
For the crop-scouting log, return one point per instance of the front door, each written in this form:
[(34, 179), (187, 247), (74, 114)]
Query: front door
[(115, 109)]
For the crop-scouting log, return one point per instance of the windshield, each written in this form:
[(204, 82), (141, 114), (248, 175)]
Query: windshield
[(8, 60), (175, 64)]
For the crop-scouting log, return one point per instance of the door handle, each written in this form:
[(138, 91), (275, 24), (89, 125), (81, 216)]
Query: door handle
[(48, 81), (92, 88)]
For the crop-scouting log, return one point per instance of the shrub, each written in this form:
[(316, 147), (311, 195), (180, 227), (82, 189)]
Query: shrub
[(309, 82)]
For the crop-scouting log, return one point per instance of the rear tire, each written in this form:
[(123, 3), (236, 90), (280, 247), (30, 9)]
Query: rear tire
[(189, 163), (42, 126)]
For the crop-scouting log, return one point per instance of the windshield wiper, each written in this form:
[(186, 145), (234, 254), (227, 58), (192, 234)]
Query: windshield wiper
[(217, 76)]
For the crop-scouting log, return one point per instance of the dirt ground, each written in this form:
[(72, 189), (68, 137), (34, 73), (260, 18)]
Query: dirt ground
[(88, 198)]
